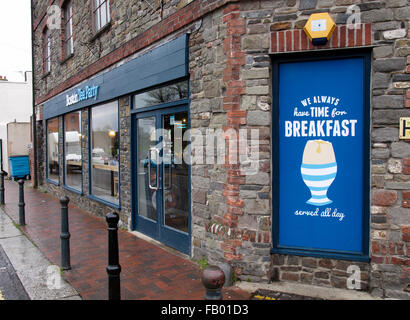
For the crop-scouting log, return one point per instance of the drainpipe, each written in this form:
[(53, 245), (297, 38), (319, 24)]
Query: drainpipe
[(34, 118)]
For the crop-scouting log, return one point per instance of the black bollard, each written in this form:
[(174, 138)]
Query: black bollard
[(22, 215), (213, 279), (113, 268), (65, 234), (2, 186)]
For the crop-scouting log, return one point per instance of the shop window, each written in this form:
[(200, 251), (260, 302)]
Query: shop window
[(46, 51), (101, 14), (53, 167), (165, 94), (104, 152), (68, 29), (72, 151)]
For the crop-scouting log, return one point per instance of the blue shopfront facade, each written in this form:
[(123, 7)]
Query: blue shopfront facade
[(161, 65), (138, 80)]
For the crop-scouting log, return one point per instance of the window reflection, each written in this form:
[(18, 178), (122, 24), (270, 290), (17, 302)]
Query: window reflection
[(53, 167), (105, 151), (72, 150), (175, 172), (147, 169), (174, 92)]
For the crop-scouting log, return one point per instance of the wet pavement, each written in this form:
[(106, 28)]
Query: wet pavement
[(25, 273), (149, 272), (10, 285)]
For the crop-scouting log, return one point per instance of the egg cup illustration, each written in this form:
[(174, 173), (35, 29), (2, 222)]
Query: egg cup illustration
[(318, 170)]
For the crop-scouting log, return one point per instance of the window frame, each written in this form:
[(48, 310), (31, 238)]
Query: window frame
[(65, 186), (48, 179), (97, 9), (90, 145), (159, 87), (276, 60), (67, 22), (46, 50)]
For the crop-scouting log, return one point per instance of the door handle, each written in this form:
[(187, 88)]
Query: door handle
[(156, 169), (169, 173)]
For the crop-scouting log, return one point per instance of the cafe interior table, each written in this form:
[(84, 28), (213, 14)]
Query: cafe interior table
[(112, 169)]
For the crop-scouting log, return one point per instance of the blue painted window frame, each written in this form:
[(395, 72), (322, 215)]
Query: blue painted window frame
[(57, 183), (160, 105), (65, 186), (90, 195), (277, 59)]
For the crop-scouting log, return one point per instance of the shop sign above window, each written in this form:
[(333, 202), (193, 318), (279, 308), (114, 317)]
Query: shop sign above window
[(82, 94)]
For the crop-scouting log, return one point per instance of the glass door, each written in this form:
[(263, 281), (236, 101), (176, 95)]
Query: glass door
[(147, 175), (162, 177)]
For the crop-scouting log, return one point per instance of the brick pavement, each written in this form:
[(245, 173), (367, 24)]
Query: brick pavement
[(148, 271)]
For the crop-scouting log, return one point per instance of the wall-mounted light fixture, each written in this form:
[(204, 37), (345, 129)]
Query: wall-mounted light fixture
[(319, 28)]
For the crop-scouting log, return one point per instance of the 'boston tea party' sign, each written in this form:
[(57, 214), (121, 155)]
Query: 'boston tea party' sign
[(88, 92), (321, 155)]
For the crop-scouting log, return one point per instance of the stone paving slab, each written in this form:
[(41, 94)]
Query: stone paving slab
[(303, 291), (262, 294)]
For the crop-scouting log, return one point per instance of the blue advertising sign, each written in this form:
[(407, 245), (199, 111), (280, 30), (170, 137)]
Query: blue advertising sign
[(321, 155)]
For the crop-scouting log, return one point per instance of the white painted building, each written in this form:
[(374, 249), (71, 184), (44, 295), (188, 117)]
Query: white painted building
[(16, 105)]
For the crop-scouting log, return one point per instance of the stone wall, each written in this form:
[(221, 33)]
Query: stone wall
[(384, 25), (127, 22), (235, 211), (238, 229)]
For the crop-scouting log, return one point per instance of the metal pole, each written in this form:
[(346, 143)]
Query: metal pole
[(65, 234), (34, 122), (2, 187), (113, 268), (213, 279), (1, 155), (22, 217)]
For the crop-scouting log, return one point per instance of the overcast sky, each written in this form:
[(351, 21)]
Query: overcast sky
[(15, 38)]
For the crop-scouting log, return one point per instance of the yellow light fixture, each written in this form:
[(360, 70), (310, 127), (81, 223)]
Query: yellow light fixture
[(112, 133), (319, 28)]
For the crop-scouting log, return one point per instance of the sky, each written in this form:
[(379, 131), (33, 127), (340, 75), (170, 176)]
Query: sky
[(15, 39)]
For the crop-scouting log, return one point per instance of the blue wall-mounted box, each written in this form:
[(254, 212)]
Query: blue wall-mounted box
[(19, 166)]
